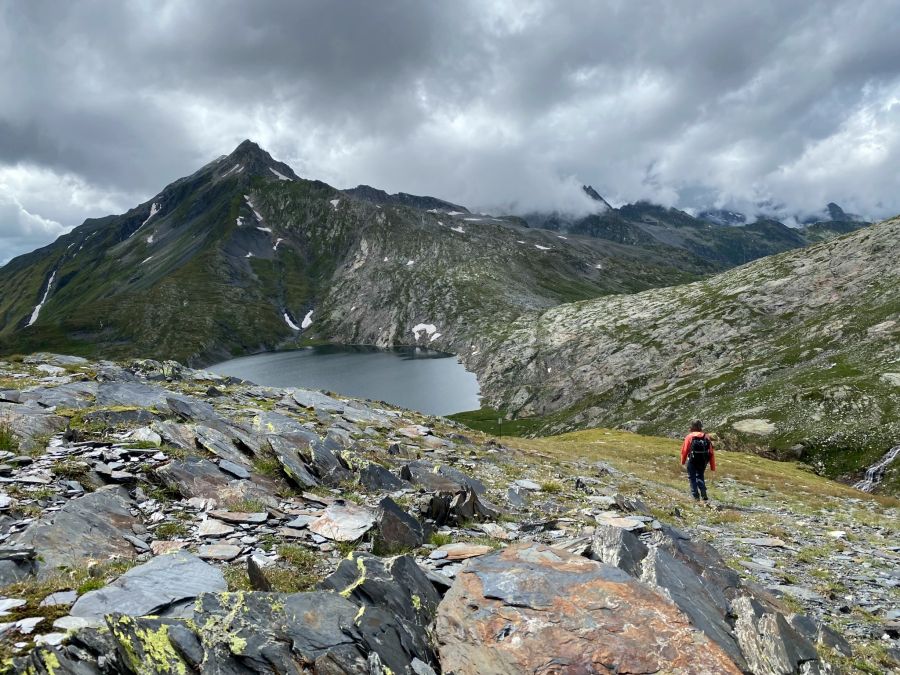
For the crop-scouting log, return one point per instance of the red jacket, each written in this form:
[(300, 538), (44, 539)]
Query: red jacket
[(686, 446)]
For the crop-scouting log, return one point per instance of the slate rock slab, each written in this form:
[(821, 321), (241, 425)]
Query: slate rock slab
[(92, 527), (156, 587), (396, 528), (29, 423), (618, 547), (681, 585), (532, 608), (375, 477), (395, 587), (132, 394), (344, 522), (769, 643)]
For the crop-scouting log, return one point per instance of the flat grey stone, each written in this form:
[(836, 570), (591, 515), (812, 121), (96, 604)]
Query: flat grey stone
[(90, 527), (235, 470), (152, 588), (59, 598), (222, 552)]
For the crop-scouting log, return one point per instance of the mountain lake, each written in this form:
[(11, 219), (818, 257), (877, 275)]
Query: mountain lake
[(421, 379)]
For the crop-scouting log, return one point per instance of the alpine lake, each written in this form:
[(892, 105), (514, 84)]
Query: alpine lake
[(426, 380)]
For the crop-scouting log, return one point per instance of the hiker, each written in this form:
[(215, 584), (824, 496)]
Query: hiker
[(697, 451)]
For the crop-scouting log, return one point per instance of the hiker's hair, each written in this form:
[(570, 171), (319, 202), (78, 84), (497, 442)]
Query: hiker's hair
[(696, 425)]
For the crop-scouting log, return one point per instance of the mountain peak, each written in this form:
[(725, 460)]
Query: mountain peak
[(257, 161), (593, 194)]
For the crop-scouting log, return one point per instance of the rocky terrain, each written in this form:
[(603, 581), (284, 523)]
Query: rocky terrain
[(158, 519), (796, 354)]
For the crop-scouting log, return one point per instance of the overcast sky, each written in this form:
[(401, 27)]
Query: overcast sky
[(503, 105)]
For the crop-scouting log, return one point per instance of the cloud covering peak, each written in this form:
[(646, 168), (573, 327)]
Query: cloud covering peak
[(498, 105)]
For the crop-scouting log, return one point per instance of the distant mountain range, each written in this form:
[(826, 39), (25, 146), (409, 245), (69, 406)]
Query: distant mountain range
[(720, 236)]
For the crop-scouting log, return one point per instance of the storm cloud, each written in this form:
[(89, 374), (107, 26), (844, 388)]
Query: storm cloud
[(503, 106)]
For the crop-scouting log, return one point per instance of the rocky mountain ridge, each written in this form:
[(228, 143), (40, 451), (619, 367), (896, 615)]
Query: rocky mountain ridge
[(722, 237), (157, 519), (797, 353)]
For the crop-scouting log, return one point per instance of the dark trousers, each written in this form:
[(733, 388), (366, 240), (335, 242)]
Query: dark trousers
[(695, 470)]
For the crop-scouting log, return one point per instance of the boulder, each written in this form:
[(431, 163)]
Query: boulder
[(769, 643), (618, 547), (314, 400), (29, 423), (325, 463), (162, 586), (343, 522), (132, 394), (396, 587), (532, 608), (397, 530), (92, 527), (219, 444), (375, 477), (295, 469), (682, 586)]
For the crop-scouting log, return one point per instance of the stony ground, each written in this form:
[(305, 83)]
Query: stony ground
[(133, 489)]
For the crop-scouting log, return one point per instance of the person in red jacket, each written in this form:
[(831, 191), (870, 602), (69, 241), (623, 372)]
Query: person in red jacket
[(697, 451)]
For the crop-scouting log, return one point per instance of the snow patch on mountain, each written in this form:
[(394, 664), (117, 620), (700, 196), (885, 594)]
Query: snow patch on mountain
[(281, 176), (264, 229), (154, 209), (277, 241), (335, 202), (37, 309), (147, 259), (287, 320), (458, 229), (542, 248), (307, 320), (428, 328)]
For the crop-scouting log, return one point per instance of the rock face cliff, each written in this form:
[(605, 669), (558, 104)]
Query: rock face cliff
[(158, 519), (796, 352)]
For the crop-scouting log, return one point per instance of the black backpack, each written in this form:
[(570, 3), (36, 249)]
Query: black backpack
[(699, 449)]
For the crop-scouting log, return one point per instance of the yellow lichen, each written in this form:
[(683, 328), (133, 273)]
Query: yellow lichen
[(360, 565), (417, 602), (359, 615)]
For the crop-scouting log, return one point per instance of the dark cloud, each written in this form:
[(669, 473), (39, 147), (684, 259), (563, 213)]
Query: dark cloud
[(500, 105)]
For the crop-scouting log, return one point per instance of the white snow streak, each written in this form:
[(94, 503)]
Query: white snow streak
[(458, 229), (240, 220), (236, 167), (434, 337), (150, 239), (428, 328), (599, 266), (37, 309), (147, 259), (474, 220), (519, 241), (561, 237), (454, 213), (264, 229), (287, 320), (307, 320), (335, 202), (410, 263), (154, 209), (542, 248), (249, 255), (281, 176), (252, 208), (277, 241)]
